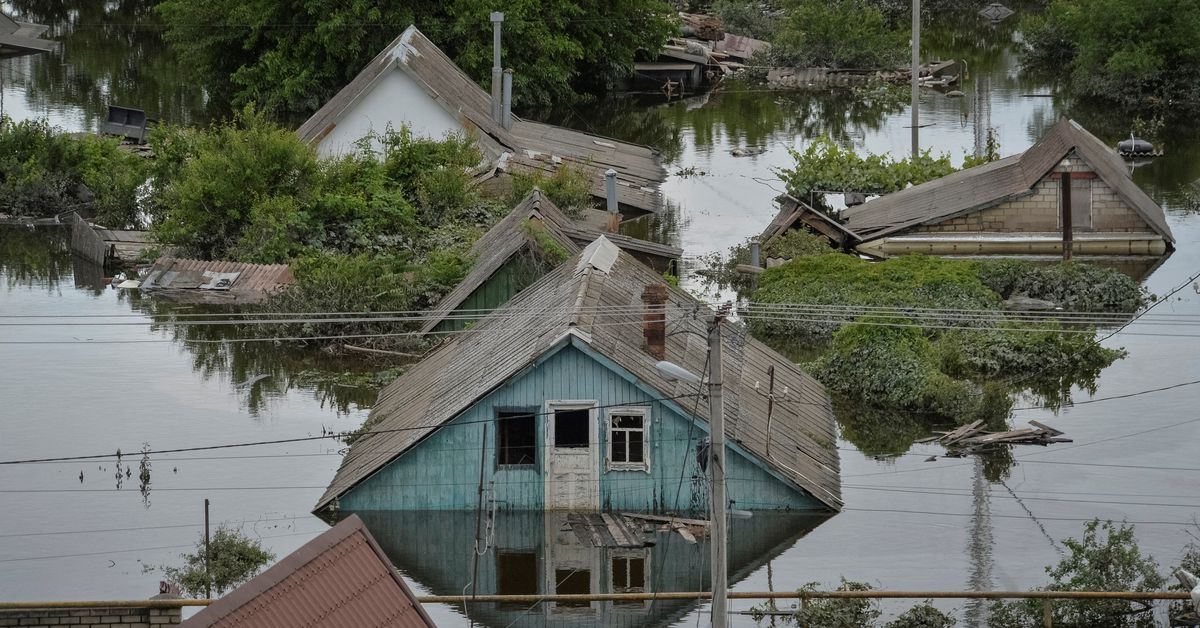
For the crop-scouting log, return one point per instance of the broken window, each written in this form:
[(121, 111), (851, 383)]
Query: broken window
[(571, 428), (517, 438), (627, 439)]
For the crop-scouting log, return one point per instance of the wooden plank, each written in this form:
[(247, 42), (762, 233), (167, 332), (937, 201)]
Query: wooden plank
[(662, 519), (1050, 431), (684, 532)]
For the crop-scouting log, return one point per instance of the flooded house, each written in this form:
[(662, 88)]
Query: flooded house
[(1012, 206), (523, 246), (412, 83), (340, 578), (534, 553), (554, 402)]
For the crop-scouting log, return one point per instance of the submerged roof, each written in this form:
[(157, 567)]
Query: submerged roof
[(530, 144), (513, 234), (596, 298), (981, 186), (340, 578), (193, 280), (18, 39)]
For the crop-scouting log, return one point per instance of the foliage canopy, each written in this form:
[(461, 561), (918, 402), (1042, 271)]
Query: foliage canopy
[(290, 56), (1132, 54), (234, 558)]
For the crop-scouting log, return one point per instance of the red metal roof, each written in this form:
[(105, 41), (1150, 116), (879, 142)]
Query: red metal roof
[(341, 578)]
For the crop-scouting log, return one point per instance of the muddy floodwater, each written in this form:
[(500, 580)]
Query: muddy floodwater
[(86, 530)]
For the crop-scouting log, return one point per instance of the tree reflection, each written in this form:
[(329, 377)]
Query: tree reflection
[(111, 53), (34, 256)]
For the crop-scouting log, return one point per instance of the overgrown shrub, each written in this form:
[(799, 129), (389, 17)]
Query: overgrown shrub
[(232, 559), (839, 34), (45, 171), (1075, 287), (924, 615), (797, 243), (826, 165), (1107, 558), (748, 18), (568, 187)]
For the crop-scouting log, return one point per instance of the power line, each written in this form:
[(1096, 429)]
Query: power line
[(371, 432)]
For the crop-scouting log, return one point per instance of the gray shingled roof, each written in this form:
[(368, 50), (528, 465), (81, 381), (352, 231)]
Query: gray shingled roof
[(509, 236), (18, 39), (976, 188), (532, 145), (465, 369)]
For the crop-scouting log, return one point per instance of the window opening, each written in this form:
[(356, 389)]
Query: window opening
[(571, 428), (517, 442), (627, 439), (570, 582), (516, 574)]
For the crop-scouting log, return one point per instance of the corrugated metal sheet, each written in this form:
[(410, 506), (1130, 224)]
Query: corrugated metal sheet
[(469, 367), (532, 145), (192, 280), (341, 578), (975, 188)]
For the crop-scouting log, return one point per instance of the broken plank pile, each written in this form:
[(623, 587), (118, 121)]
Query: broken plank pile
[(969, 439), (689, 529)]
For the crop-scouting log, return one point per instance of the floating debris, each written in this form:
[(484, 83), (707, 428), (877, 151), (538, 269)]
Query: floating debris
[(996, 12), (972, 438), (1137, 147)]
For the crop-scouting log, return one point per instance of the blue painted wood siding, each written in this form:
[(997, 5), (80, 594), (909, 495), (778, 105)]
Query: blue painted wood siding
[(443, 471)]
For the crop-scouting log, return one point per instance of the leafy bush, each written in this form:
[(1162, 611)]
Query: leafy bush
[(837, 34), (1073, 286), (569, 188), (234, 558), (924, 615), (826, 165), (747, 18), (797, 243), (938, 368), (45, 171), (1107, 558)]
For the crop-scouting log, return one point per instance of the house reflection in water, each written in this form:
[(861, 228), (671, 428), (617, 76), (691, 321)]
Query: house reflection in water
[(535, 553)]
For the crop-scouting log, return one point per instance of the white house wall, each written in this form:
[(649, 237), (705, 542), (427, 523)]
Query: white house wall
[(395, 99)]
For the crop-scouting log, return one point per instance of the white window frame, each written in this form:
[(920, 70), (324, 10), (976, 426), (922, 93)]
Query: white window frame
[(641, 411)]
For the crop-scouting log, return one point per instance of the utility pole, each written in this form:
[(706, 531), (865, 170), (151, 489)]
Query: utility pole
[(718, 537), (207, 556), (497, 72), (916, 76)]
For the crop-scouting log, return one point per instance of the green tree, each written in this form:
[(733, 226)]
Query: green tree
[(1132, 53), (1107, 558), (838, 34), (233, 558), (290, 56)]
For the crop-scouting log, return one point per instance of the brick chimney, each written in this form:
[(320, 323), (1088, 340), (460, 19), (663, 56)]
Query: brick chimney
[(654, 320)]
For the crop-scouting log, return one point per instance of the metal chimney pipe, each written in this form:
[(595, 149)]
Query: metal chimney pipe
[(610, 195), (506, 110), (755, 253), (497, 72)]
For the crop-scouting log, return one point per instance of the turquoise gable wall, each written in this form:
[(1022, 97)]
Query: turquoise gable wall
[(442, 472)]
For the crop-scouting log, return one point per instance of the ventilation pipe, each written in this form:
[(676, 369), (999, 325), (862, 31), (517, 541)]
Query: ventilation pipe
[(610, 194), (654, 320), (506, 111), (497, 73)]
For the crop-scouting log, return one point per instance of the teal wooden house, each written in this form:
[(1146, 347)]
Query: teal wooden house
[(527, 243), (554, 402)]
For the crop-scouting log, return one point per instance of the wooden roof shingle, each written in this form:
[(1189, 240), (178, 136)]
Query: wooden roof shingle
[(595, 297)]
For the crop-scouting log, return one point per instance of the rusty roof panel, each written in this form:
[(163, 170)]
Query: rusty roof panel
[(193, 281), (340, 578)]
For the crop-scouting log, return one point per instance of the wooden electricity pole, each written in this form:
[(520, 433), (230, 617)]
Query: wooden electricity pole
[(207, 556), (719, 538), (916, 77)]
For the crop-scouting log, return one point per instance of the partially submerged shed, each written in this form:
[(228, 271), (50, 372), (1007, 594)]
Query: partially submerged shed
[(340, 578), (518, 250), (198, 281), (1012, 206), (438, 98), (103, 246), (554, 402)]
